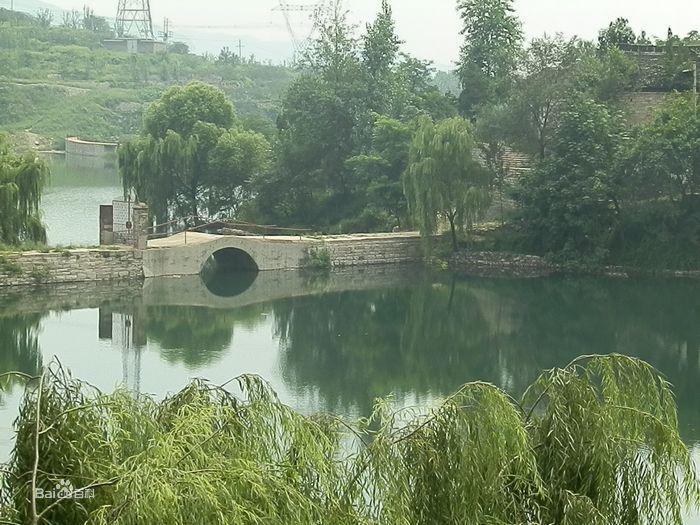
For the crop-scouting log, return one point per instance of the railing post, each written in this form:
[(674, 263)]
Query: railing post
[(140, 226)]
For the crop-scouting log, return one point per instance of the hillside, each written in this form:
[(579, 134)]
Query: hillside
[(56, 82)]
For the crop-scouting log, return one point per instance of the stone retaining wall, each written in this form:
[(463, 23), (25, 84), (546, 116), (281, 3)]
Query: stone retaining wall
[(374, 250), (641, 107), (70, 266), (496, 264)]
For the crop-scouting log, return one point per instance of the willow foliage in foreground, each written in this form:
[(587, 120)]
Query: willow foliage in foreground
[(596, 443)]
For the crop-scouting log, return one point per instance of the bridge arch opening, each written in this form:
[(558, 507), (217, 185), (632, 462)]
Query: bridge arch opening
[(229, 272)]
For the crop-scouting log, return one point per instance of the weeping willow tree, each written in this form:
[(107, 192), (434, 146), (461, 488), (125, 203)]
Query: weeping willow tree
[(22, 180), (595, 442), (164, 173), (443, 181)]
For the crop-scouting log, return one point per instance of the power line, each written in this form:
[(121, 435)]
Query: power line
[(290, 8)]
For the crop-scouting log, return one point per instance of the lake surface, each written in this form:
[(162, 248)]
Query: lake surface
[(71, 203), (336, 342)]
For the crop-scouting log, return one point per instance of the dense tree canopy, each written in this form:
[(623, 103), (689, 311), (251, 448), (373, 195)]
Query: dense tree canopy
[(618, 32), (181, 108), (332, 172), (22, 180), (664, 160), (571, 201)]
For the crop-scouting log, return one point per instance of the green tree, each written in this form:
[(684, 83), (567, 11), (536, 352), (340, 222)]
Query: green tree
[(22, 181), (664, 161), (188, 163), (549, 68), (496, 130), (44, 17), (607, 75), (489, 56), (328, 173), (180, 108), (334, 53), (94, 23), (571, 202), (595, 442), (380, 52), (238, 157), (618, 32), (444, 182), (316, 136), (381, 171)]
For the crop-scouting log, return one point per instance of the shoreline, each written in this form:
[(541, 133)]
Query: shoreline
[(513, 265)]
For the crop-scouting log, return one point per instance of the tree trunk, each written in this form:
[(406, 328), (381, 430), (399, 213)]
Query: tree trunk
[(454, 233)]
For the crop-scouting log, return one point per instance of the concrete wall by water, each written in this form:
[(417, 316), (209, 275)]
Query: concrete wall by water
[(84, 148)]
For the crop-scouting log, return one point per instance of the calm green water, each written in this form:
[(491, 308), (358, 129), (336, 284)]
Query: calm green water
[(71, 203), (335, 343)]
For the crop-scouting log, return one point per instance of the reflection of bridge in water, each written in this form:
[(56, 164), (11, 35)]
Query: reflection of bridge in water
[(126, 324), (192, 290)]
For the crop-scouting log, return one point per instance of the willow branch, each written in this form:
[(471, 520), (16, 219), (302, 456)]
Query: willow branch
[(549, 386), (91, 486), (35, 516)]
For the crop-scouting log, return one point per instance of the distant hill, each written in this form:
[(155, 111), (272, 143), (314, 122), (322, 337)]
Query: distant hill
[(57, 82), (32, 6)]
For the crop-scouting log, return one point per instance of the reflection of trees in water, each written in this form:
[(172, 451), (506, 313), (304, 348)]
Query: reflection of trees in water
[(196, 336), (356, 346), (655, 320), (19, 346), (431, 338)]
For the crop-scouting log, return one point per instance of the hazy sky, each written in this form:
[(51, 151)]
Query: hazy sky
[(428, 27)]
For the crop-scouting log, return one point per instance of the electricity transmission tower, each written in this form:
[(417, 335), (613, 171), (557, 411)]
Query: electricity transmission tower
[(286, 9), (134, 19)]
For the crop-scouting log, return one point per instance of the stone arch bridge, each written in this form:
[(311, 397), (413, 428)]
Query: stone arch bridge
[(187, 253)]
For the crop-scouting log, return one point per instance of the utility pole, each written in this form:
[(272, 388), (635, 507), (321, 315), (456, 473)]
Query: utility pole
[(166, 34), (695, 85), (240, 50)]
